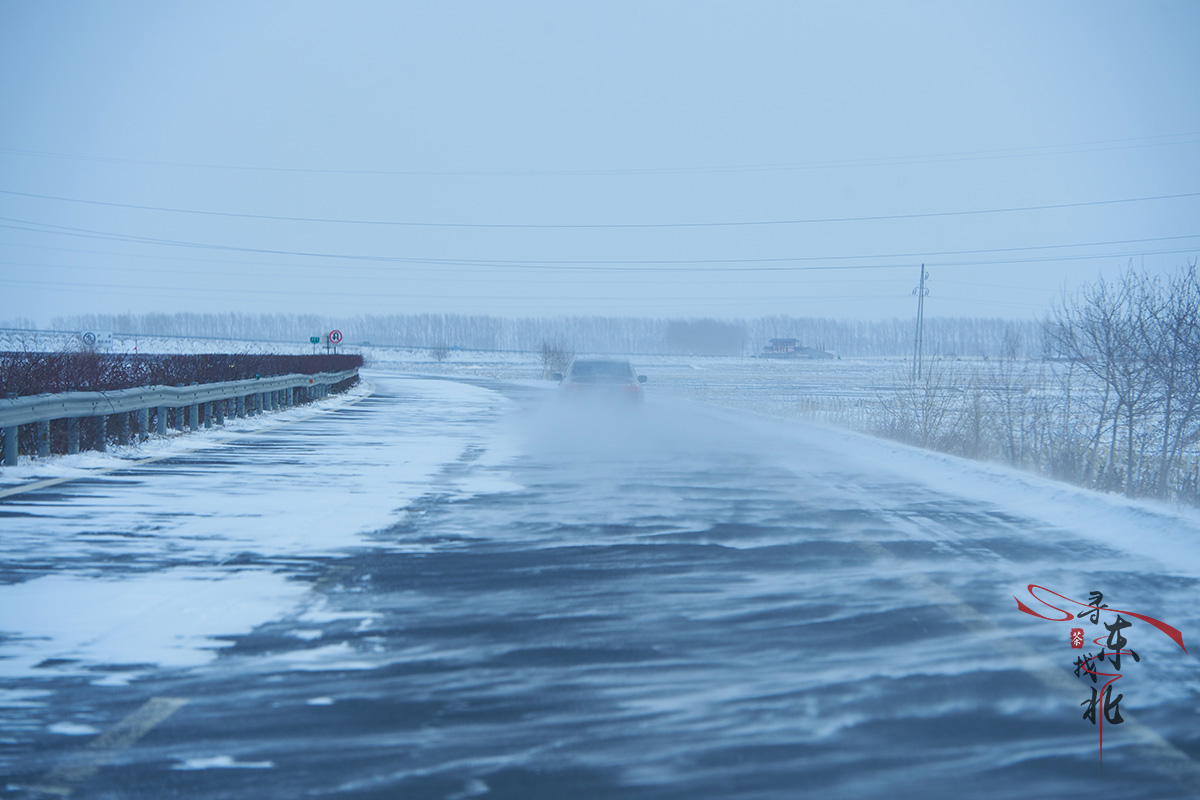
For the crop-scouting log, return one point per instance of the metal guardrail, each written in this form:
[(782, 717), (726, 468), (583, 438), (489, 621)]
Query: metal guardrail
[(249, 397)]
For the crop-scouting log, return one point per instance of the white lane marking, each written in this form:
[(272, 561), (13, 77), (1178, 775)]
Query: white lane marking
[(104, 748), (1175, 763)]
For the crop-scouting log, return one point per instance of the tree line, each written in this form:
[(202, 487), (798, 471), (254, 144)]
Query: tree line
[(948, 336), (1114, 404)]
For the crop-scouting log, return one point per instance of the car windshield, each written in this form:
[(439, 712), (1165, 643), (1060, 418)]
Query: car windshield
[(601, 369)]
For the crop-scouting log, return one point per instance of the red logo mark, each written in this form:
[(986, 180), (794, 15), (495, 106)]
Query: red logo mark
[(1173, 633), (1088, 664)]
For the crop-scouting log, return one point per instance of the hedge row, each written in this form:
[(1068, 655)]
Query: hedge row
[(37, 373)]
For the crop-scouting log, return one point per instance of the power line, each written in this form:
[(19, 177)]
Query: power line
[(1100, 145), (592, 226), (975, 285), (1011, 304), (611, 264), (373, 295), (413, 265), (442, 276)]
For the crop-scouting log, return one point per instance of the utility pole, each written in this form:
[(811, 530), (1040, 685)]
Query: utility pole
[(920, 292)]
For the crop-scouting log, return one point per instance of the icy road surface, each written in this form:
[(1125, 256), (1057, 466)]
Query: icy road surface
[(454, 590)]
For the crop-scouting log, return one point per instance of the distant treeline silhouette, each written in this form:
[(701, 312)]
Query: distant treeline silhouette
[(945, 336)]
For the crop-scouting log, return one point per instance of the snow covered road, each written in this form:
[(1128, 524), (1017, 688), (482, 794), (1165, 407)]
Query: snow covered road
[(449, 589)]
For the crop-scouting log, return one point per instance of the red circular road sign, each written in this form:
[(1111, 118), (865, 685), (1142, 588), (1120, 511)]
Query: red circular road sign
[(335, 337)]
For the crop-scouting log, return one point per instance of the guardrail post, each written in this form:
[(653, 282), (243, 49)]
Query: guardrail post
[(42, 434), (123, 404)]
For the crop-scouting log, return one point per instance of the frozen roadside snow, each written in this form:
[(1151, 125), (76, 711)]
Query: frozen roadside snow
[(312, 488), (1166, 534), (83, 464), (221, 762), (151, 562), (174, 618), (72, 729)]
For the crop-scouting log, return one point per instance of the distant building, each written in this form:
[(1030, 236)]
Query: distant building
[(791, 348), (781, 347)]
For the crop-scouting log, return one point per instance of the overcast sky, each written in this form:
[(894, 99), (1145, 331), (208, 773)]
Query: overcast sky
[(570, 158)]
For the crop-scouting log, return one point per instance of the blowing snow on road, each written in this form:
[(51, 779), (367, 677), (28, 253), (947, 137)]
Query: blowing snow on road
[(448, 589)]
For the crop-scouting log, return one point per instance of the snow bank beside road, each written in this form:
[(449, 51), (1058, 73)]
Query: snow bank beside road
[(1142, 529), (174, 618), (229, 505), (174, 443)]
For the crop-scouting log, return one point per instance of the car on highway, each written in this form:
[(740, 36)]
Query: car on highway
[(601, 379)]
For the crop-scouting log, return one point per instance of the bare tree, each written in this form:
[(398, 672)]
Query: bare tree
[(1008, 388), (928, 412), (1172, 331), (1097, 329), (556, 357)]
